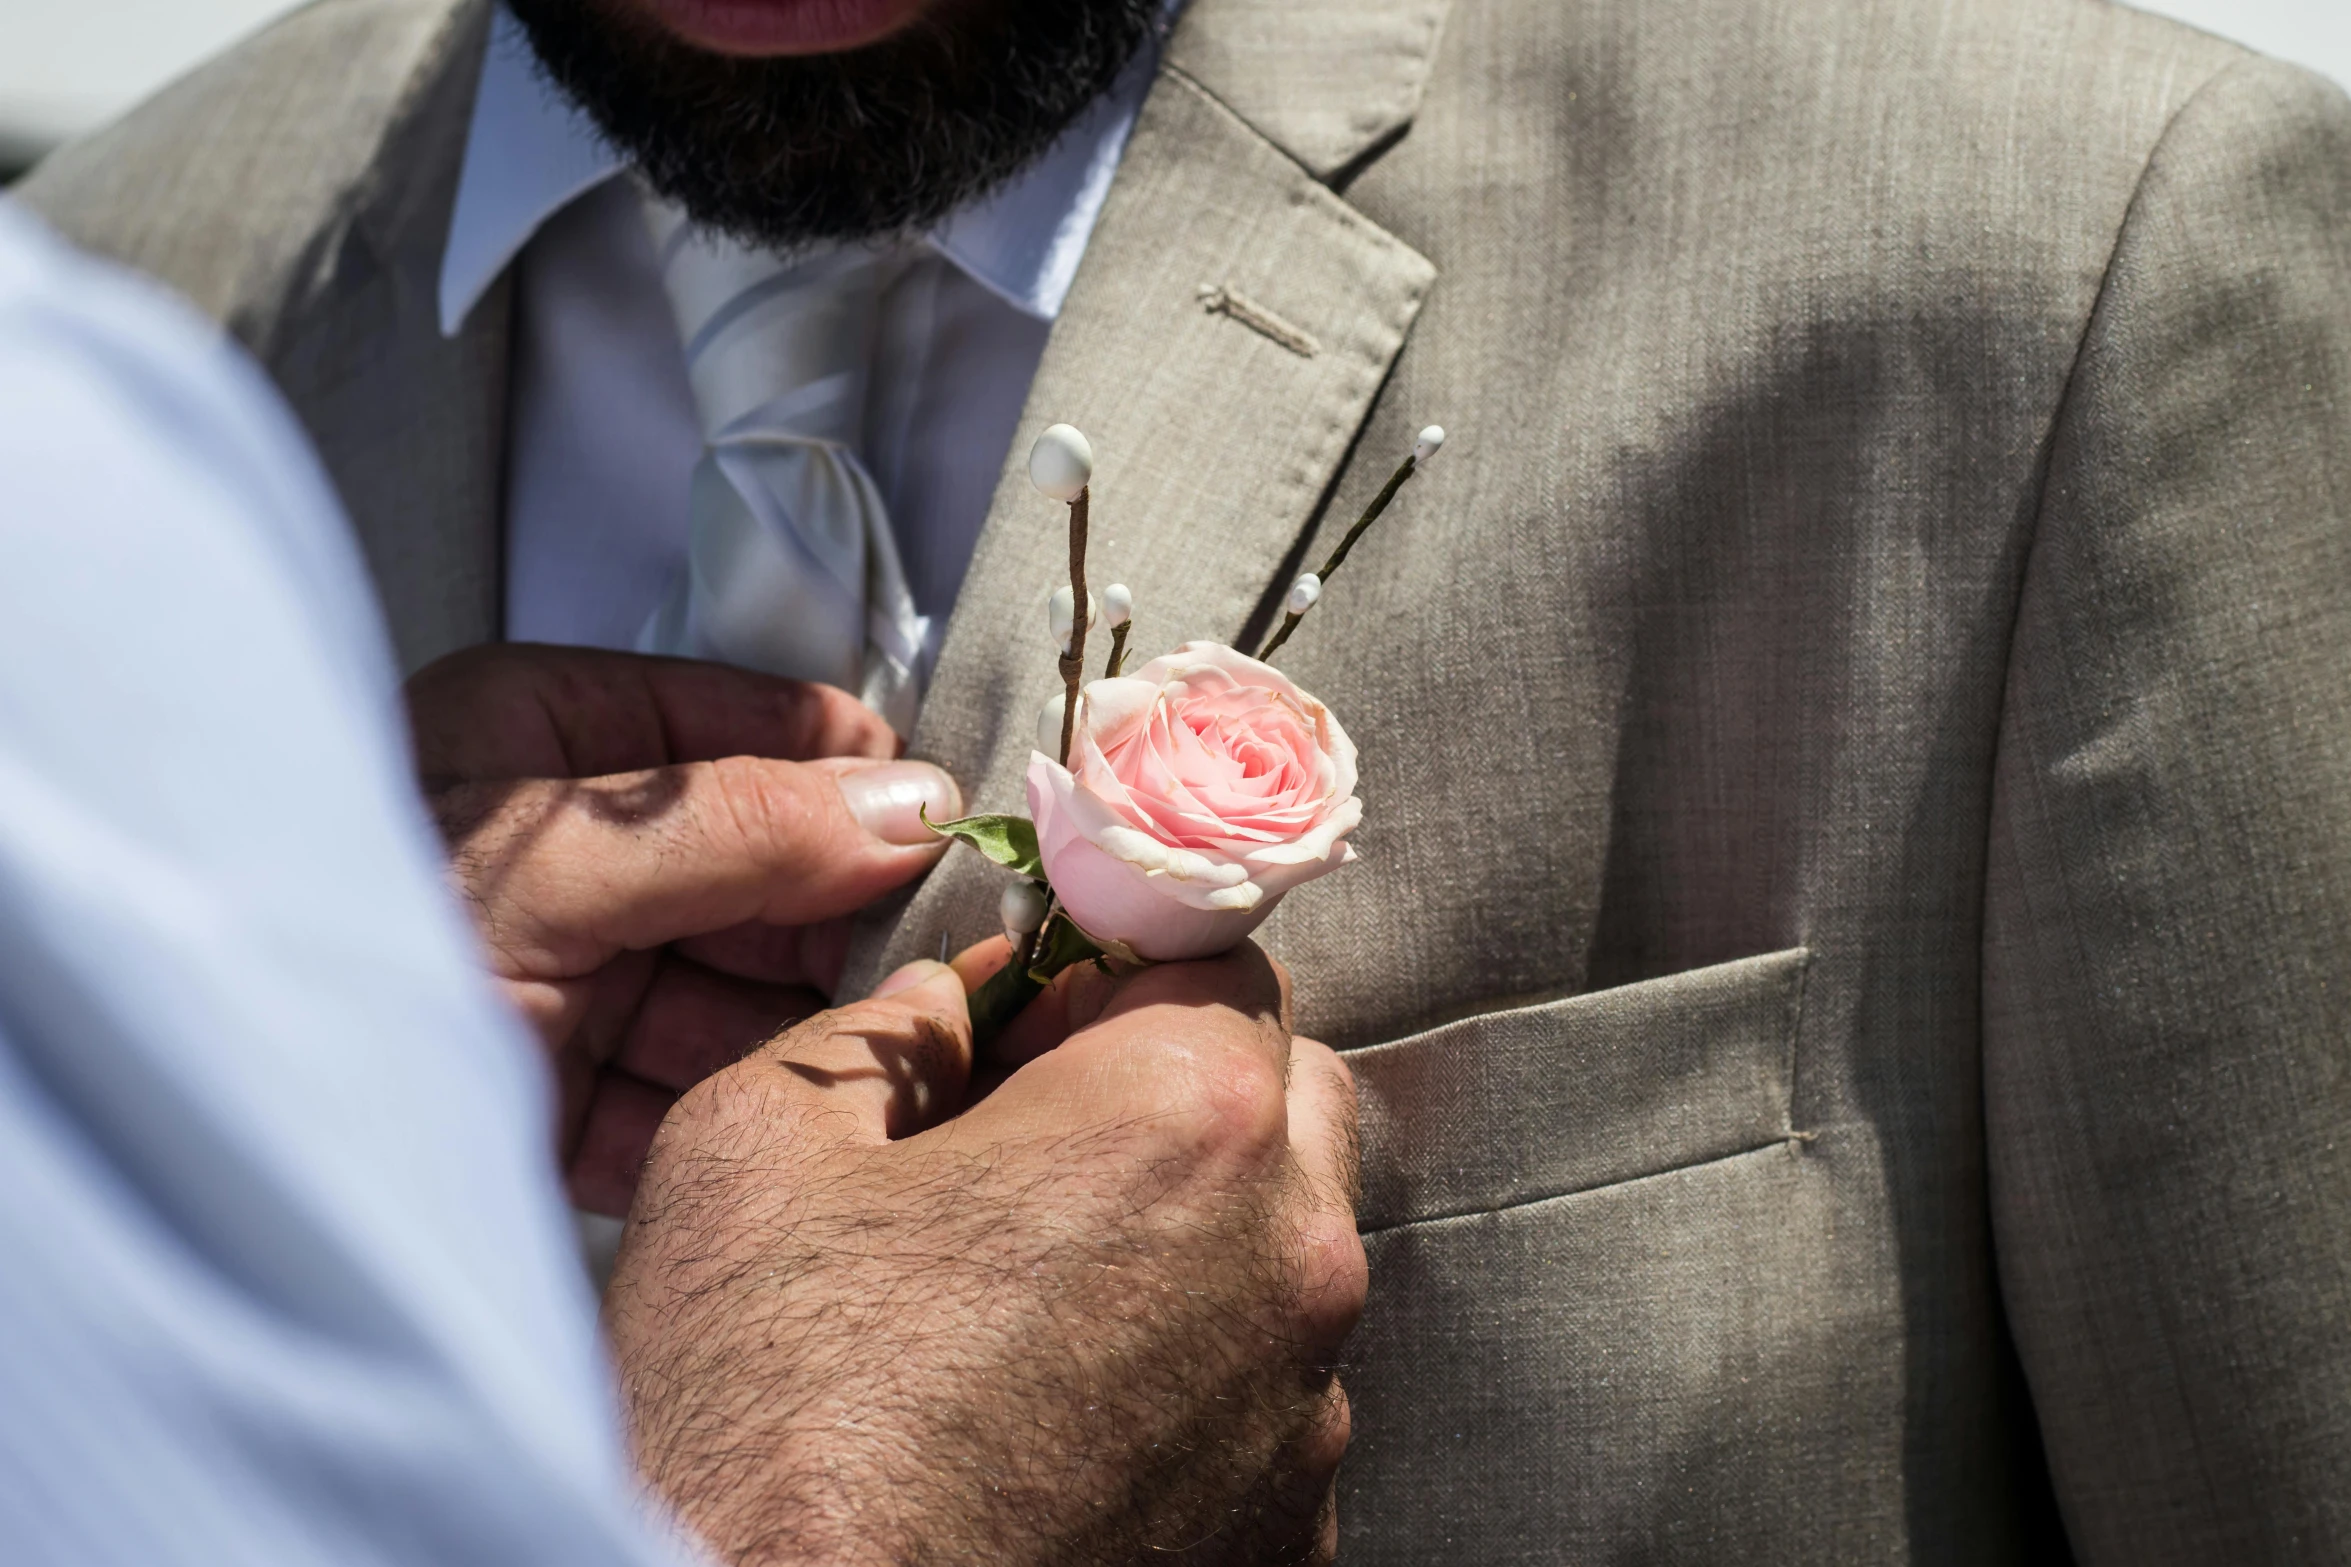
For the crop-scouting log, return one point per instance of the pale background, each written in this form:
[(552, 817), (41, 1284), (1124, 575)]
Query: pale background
[(67, 65)]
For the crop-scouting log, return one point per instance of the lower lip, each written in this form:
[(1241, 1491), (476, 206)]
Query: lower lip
[(777, 27)]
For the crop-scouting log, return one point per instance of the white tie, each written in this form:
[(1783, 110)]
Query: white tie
[(791, 567)]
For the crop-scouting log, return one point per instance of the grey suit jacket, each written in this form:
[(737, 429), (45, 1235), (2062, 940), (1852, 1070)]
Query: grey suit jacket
[(1849, 965)]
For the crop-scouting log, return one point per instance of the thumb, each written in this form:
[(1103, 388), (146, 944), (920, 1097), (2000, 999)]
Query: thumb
[(566, 873), (894, 1063)]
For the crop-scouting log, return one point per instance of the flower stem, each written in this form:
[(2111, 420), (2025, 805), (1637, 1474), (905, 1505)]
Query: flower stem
[(1073, 662), (1004, 997), (1289, 624), (1118, 652), (1371, 514), (1036, 962)]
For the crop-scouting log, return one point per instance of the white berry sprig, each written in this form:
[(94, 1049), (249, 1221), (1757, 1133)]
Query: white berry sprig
[(1118, 613), (1306, 592), (1061, 466)]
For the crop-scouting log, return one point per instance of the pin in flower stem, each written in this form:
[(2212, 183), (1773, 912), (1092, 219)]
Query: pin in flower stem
[(1118, 613), (1061, 466), (1308, 588)]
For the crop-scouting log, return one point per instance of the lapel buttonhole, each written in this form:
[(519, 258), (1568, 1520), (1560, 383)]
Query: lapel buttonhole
[(1222, 299)]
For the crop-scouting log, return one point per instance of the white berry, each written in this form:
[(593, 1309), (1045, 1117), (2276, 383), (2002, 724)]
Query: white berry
[(1022, 909), (1118, 605), (1049, 725), (1430, 439), (1061, 464), (1061, 616), (1304, 593)]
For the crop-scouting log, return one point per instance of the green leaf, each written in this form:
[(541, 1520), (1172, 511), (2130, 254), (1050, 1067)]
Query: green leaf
[(1008, 840)]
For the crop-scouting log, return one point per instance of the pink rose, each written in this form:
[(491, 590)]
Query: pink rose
[(1205, 786)]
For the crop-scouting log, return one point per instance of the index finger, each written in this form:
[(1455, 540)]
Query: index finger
[(515, 710), (1245, 980), (564, 874)]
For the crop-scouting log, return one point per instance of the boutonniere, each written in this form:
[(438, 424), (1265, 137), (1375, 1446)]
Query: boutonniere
[(1172, 807)]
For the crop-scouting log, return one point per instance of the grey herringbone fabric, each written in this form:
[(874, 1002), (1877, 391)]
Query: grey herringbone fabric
[(1856, 727)]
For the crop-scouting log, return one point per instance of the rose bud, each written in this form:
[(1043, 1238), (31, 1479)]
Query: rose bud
[(1202, 788), (1061, 464)]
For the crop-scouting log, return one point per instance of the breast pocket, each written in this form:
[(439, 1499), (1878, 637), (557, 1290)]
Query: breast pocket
[(1539, 1102), (1592, 1235)]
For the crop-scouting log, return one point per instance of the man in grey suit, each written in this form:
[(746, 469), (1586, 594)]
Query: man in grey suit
[(1847, 974)]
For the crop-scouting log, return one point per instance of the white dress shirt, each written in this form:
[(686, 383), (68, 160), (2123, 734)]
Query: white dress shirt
[(285, 1276), (604, 435)]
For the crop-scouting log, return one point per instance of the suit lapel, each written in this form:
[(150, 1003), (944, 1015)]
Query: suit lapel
[(1227, 335), (410, 424), (1328, 81)]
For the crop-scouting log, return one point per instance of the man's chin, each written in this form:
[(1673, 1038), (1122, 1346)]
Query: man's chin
[(755, 29), (832, 119)]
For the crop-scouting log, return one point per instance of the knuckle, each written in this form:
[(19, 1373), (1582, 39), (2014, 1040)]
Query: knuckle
[(725, 1097), (770, 810), (1314, 1055), (1334, 1277), (1237, 1105), (746, 807), (1325, 1443), (748, 1089)]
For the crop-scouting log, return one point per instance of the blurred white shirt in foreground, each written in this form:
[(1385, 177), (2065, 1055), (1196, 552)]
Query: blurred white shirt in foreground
[(285, 1275)]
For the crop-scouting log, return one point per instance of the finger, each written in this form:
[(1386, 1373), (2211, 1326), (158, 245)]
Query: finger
[(524, 711), (1333, 1274), (975, 965), (1194, 1052), (805, 955), (622, 1117), (1299, 1517), (580, 1011), (1324, 1136), (1072, 1001), (1243, 980), (1317, 1455), (694, 1021), (564, 874), (894, 1063)]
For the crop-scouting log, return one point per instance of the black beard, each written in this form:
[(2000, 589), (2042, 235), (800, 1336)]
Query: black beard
[(880, 141)]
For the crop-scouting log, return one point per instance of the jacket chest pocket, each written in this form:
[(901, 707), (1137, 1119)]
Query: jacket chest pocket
[(1603, 1294), (1538, 1102)]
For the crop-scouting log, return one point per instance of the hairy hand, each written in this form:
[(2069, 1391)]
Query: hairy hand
[(659, 855), (1092, 1319)]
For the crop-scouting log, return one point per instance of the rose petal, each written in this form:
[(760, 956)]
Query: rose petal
[(1202, 787)]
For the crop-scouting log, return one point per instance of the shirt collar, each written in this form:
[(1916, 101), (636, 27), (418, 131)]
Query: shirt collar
[(529, 153)]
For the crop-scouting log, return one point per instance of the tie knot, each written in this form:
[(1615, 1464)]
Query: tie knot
[(774, 344)]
